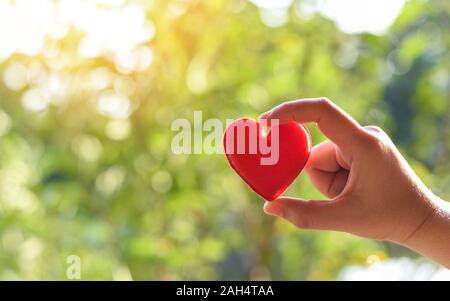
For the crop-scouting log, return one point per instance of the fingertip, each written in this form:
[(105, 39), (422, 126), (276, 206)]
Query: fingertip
[(268, 119), (264, 116), (273, 208), (266, 207)]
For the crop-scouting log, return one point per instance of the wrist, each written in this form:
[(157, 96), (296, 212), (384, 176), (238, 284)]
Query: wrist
[(431, 237)]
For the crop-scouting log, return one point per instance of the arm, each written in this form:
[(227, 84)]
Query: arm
[(432, 238), (373, 191)]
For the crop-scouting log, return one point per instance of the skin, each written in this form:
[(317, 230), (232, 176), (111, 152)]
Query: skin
[(372, 190)]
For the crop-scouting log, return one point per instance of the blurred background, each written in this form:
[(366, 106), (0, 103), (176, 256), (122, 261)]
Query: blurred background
[(89, 89)]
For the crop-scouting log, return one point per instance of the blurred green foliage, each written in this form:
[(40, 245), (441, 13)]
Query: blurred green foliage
[(109, 189)]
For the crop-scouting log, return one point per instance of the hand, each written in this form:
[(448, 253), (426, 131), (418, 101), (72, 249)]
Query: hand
[(374, 192)]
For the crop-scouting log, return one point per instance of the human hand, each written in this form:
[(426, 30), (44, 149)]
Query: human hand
[(374, 192)]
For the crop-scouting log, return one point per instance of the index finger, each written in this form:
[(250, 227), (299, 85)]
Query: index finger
[(336, 124)]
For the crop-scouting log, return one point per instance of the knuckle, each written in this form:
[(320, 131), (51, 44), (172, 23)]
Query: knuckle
[(325, 105), (375, 129), (303, 222), (325, 99), (375, 141), (325, 102), (285, 107)]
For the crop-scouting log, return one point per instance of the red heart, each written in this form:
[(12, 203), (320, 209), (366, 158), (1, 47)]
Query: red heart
[(269, 181)]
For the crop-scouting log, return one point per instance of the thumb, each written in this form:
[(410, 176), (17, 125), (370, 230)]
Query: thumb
[(320, 215)]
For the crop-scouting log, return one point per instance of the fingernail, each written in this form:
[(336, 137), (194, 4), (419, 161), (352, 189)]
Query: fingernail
[(273, 209), (264, 115)]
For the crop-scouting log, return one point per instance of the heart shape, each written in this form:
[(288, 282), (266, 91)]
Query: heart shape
[(267, 180)]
